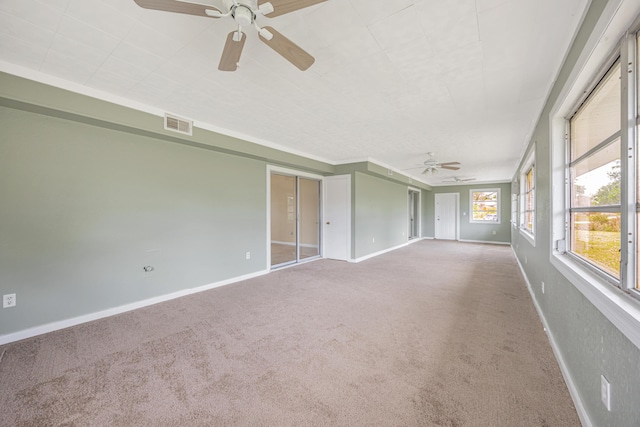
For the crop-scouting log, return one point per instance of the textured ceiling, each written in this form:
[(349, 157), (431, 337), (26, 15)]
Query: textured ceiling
[(393, 79)]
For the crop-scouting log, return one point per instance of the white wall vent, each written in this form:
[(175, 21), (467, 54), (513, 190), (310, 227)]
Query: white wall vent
[(178, 124)]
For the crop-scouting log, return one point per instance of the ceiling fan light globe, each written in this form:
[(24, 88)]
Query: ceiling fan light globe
[(243, 16)]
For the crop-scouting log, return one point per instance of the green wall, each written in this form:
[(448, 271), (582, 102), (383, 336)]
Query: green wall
[(586, 340), (86, 208), (380, 214)]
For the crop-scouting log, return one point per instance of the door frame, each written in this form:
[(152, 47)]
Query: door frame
[(295, 173), (418, 208), (457, 214)]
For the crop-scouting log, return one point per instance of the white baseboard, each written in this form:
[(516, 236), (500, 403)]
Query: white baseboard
[(375, 254), (573, 390), (54, 326), (490, 242)]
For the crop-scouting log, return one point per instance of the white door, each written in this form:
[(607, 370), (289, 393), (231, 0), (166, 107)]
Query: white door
[(446, 216), (337, 217)]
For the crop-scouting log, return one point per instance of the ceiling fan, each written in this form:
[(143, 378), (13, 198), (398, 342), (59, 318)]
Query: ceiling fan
[(244, 13), (432, 165), (457, 179)]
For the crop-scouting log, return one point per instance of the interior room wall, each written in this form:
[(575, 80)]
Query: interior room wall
[(380, 214), (84, 209), (588, 343)]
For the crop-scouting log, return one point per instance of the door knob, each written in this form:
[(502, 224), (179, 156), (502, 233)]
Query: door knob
[(328, 222)]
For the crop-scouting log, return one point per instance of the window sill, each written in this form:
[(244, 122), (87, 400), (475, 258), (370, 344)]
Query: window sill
[(528, 236), (618, 307)]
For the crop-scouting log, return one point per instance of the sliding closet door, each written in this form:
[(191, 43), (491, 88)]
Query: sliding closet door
[(295, 218), (283, 219), (414, 214), (309, 202)]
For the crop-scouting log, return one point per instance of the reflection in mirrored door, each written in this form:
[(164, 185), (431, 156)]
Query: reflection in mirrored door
[(283, 219), (309, 198), (414, 214), (295, 219)]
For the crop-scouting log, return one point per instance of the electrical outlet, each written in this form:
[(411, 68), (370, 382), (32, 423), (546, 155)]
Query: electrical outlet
[(247, 255), (373, 240), (525, 260), (543, 287), (494, 232), (8, 300), (605, 392)]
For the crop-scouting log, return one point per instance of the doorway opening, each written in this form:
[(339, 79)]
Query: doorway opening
[(414, 214), (294, 218)]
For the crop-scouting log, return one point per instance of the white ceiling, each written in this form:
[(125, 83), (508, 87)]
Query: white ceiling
[(393, 79)]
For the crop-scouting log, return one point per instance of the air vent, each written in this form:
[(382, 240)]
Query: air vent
[(178, 124)]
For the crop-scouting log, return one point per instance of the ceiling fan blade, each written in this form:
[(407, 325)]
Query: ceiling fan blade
[(232, 51), (453, 168), (449, 163), (288, 49), (177, 7), (280, 7)]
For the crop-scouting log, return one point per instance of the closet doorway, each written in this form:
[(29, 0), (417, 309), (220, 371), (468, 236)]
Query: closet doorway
[(414, 214), (294, 217)]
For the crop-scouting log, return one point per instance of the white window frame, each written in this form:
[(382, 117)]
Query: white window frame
[(618, 305), (529, 163), (498, 204)]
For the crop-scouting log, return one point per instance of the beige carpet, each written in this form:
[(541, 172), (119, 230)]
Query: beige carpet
[(435, 334)]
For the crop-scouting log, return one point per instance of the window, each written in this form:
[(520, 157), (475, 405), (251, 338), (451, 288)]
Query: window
[(594, 171), (514, 210), (528, 196), (485, 206)]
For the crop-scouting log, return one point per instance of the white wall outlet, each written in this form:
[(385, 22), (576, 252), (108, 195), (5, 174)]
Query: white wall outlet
[(8, 300), (543, 287), (605, 392), (525, 260), (247, 255), (373, 240), (494, 232)]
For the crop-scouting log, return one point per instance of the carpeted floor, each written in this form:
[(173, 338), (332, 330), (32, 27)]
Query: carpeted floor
[(434, 334)]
